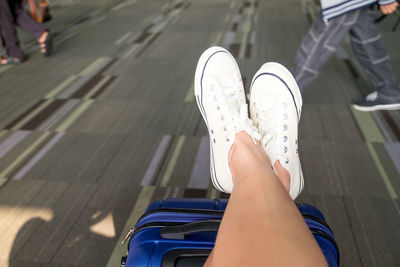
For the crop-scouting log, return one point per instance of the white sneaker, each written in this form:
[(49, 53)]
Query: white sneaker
[(275, 108), (219, 93)]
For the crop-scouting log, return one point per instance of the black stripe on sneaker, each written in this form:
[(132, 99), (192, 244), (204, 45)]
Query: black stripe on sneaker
[(276, 76)]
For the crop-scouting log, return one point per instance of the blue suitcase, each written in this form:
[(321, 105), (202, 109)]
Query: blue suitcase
[(182, 232)]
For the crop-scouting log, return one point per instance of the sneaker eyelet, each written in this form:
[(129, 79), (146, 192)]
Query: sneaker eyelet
[(285, 127), (214, 141), (287, 161), (227, 139), (285, 138), (212, 131), (285, 116), (285, 149)]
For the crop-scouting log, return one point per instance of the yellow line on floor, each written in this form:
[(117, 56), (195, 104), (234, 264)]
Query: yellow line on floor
[(227, 17), (94, 13), (250, 11), (92, 66), (118, 7), (175, 13), (95, 21), (5, 68), (368, 126), (213, 193), (23, 155), (3, 132), (130, 51), (2, 181), (141, 204), (165, 6), (172, 161), (246, 26), (63, 38), (61, 87), (123, 4), (32, 114), (103, 81), (78, 112), (123, 38), (243, 45), (158, 28), (190, 94), (381, 169), (218, 39)]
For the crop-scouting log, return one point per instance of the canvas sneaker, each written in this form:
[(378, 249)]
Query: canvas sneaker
[(275, 108), (375, 101), (219, 93)]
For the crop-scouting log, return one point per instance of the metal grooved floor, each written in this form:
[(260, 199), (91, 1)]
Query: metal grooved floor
[(91, 135)]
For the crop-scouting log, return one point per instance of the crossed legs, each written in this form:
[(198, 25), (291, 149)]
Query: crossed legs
[(261, 226), (257, 161)]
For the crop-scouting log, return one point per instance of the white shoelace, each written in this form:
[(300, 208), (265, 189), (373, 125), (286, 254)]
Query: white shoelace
[(234, 119), (274, 130)]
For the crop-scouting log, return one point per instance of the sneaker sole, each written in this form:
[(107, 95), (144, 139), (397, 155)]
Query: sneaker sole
[(198, 92), (377, 107), (280, 72)]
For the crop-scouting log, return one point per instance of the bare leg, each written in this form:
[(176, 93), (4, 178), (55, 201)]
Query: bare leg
[(261, 225)]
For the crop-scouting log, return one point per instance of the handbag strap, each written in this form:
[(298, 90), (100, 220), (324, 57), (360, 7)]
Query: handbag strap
[(32, 7)]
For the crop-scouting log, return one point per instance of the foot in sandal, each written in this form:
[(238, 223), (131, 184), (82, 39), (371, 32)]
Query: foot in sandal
[(46, 43), (7, 60)]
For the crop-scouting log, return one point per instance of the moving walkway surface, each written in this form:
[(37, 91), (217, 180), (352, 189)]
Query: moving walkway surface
[(91, 135)]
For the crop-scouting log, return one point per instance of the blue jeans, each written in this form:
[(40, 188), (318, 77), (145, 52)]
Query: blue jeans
[(321, 41)]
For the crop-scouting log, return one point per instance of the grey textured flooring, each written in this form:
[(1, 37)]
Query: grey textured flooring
[(91, 135)]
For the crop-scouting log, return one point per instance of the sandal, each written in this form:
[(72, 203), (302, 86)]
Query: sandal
[(6, 60), (46, 47)]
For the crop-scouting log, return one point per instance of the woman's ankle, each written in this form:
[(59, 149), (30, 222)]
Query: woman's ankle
[(43, 36), (247, 157)]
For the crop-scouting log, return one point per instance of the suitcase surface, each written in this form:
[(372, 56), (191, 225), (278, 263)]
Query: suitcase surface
[(182, 232)]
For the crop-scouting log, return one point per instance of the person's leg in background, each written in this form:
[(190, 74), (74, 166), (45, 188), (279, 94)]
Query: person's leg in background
[(36, 29), (319, 45), (9, 34), (368, 46), (26, 22)]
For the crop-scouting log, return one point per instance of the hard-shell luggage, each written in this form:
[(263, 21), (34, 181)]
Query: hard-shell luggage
[(182, 232)]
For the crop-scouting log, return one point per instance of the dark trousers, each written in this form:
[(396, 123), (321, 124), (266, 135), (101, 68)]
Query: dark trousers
[(12, 15), (321, 42)]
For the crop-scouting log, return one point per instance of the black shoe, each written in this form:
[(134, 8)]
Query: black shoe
[(377, 102)]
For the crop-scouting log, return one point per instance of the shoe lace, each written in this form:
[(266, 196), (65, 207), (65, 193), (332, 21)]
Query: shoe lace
[(274, 130), (234, 113)]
